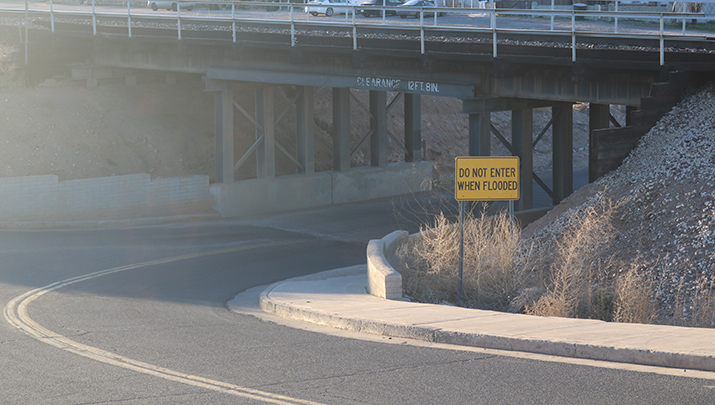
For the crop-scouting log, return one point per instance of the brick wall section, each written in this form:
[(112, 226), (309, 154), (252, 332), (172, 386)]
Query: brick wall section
[(44, 198)]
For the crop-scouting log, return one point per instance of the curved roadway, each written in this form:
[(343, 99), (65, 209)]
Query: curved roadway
[(141, 319)]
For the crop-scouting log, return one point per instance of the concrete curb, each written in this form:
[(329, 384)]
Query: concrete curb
[(288, 311), (576, 338), (382, 279)]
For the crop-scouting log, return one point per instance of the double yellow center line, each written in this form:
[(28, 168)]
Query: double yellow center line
[(15, 313)]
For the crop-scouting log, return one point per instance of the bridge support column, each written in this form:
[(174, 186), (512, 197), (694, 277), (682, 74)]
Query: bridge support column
[(522, 130), (223, 136), (598, 118), (480, 133), (413, 127), (629, 111), (378, 123), (341, 129), (266, 152), (562, 152), (305, 131)]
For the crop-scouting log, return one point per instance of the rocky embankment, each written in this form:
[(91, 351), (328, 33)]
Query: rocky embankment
[(662, 207)]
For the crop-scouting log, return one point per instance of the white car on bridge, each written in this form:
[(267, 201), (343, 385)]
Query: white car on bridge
[(170, 5), (330, 7)]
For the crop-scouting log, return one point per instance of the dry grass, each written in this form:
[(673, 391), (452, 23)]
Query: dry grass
[(570, 288), (696, 309), (495, 262), (634, 302), (564, 276)]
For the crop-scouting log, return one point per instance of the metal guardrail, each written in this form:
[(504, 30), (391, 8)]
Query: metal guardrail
[(294, 17)]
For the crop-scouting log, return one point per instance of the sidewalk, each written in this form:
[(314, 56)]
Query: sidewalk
[(338, 299)]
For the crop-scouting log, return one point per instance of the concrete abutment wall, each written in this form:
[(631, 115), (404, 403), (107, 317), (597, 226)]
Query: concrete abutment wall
[(260, 196), (46, 199)]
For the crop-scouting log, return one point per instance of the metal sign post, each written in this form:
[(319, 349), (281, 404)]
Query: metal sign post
[(483, 178), (460, 267)]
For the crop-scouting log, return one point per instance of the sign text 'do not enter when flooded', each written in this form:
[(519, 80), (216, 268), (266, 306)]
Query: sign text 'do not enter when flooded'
[(486, 178)]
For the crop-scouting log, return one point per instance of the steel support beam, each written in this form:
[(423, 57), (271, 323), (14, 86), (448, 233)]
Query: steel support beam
[(480, 136), (522, 133), (305, 131), (341, 129), (629, 111), (266, 152), (223, 136), (552, 87), (562, 143), (413, 127), (598, 118), (378, 122)]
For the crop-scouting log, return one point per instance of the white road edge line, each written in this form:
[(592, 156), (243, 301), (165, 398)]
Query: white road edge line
[(15, 313)]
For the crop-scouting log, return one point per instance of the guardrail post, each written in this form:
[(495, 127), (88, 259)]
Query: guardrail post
[(422, 32), (178, 19), (233, 20), (616, 19), (493, 22), (129, 18), (27, 21), (573, 36), (52, 16), (354, 32), (552, 15), (292, 26), (662, 42), (94, 18)]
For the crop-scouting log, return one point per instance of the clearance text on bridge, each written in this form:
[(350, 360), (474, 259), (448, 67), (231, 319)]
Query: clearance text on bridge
[(486, 178)]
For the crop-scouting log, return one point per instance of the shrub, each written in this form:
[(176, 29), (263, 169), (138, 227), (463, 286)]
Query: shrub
[(634, 302), (570, 286), (496, 263)]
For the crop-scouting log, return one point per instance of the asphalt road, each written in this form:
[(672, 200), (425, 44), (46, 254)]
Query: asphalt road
[(159, 332)]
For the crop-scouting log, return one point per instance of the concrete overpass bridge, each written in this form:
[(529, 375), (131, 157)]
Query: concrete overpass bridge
[(288, 55)]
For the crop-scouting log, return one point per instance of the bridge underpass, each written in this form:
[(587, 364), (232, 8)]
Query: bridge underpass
[(520, 142), (485, 86)]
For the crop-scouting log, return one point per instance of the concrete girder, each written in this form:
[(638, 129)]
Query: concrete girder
[(565, 90)]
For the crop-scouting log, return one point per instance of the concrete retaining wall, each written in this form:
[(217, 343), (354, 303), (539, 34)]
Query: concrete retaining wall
[(45, 198), (260, 196)]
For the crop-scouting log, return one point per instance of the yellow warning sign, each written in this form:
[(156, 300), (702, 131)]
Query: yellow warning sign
[(486, 178)]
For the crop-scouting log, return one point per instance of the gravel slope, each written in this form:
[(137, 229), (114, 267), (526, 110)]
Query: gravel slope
[(664, 220)]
